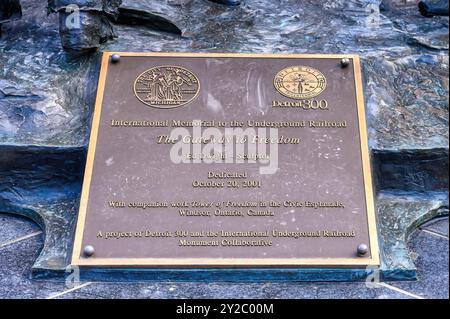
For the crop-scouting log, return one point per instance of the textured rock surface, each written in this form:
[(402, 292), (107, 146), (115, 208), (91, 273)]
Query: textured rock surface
[(84, 24), (397, 217), (10, 10), (433, 8), (95, 29), (154, 14), (47, 95), (413, 171), (108, 6), (42, 97)]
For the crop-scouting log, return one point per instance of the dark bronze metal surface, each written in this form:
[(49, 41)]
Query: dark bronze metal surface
[(317, 206)]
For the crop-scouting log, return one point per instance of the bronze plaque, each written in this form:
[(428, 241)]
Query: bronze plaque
[(227, 160)]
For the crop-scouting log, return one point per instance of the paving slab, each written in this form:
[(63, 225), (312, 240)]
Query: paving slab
[(404, 58), (15, 272)]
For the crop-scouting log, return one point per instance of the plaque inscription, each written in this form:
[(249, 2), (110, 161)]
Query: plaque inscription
[(227, 160)]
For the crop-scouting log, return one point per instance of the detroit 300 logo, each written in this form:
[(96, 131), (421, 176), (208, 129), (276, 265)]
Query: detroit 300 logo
[(300, 82), (167, 87)]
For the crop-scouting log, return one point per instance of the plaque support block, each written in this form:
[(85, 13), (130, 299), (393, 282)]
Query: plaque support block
[(227, 275), (398, 215), (43, 184)]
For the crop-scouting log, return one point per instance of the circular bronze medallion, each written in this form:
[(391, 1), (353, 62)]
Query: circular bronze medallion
[(166, 87), (300, 82)]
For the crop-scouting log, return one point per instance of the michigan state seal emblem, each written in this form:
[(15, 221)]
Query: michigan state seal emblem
[(166, 87), (300, 82)]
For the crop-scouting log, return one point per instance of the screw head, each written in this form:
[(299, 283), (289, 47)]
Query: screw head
[(362, 249), (88, 251), (115, 58), (345, 62)]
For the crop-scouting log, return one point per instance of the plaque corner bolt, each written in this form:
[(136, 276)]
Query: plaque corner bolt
[(115, 58), (345, 62), (362, 250), (89, 250)]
